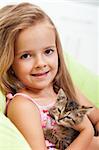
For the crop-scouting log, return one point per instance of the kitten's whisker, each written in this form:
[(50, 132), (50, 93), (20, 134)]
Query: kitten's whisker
[(64, 118), (68, 118)]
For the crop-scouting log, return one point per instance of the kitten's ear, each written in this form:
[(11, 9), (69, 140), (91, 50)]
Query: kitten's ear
[(61, 94), (86, 110)]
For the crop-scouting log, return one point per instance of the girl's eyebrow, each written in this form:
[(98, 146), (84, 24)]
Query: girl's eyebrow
[(52, 46), (19, 52)]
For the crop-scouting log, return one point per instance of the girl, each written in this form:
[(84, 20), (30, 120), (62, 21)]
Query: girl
[(33, 70)]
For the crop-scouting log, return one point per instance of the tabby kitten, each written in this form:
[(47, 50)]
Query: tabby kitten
[(66, 113)]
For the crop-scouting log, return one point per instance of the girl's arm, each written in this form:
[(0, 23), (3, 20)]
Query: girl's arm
[(94, 114), (85, 137), (25, 115)]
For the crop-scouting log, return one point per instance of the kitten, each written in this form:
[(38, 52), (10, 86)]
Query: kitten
[(66, 113)]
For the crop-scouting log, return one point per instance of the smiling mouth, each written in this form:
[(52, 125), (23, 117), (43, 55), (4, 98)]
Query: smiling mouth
[(40, 74)]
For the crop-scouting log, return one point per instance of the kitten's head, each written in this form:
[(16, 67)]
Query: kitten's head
[(67, 112), (59, 106)]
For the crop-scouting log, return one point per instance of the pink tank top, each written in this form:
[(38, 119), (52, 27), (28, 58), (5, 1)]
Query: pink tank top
[(45, 118)]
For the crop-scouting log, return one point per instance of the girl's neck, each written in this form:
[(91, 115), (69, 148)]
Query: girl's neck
[(44, 94)]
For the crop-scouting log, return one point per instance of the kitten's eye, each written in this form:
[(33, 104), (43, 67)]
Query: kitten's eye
[(25, 56), (49, 51), (68, 117), (59, 110)]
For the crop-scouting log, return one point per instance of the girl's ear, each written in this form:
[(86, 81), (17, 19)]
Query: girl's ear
[(61, 94)]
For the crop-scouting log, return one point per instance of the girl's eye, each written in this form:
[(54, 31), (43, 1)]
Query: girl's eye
[(49, 51), (25, 56)]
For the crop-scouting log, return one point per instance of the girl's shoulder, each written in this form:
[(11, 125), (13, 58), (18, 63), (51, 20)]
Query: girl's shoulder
[(19, 96), (19, 102), (25, 97)]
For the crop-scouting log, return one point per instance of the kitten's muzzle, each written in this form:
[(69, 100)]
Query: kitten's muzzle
[(61, 118)]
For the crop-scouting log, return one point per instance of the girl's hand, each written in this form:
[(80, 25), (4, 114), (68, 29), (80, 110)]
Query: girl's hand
[(85, 137), (84, 125)]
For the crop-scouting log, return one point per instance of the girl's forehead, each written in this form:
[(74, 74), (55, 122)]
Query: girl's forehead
[(38, 27), (36, 36), (39, 24)]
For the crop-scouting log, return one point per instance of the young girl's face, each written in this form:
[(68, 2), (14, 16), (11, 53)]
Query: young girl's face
[(36, 58)]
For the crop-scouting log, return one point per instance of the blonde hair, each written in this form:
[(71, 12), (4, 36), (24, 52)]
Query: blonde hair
[(13, 19)]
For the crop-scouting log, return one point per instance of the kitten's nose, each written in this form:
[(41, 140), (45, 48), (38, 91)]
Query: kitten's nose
[(60, 117)]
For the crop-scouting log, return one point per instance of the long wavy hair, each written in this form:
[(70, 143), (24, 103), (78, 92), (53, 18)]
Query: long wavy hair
[(13, 19)]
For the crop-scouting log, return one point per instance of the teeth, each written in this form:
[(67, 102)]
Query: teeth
[(40, 74)]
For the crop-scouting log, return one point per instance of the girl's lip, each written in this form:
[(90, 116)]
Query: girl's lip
[(40, 74)]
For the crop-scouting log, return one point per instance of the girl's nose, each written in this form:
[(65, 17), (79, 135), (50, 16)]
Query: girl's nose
[(40, 62)]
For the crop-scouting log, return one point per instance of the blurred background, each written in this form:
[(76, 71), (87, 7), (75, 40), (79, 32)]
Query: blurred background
[(77, 23)]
